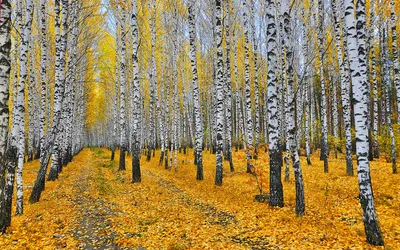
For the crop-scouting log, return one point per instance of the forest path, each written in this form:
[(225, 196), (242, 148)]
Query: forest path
[(161, 213), (95, 229), (115, 214), (92, 205)]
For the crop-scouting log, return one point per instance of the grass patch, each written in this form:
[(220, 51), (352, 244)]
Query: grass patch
[(102, 184)]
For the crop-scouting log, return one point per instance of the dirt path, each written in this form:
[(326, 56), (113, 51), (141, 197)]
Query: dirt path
[(115, 214), (95, 230)]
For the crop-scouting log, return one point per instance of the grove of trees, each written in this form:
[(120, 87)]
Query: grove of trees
[(283, 78)]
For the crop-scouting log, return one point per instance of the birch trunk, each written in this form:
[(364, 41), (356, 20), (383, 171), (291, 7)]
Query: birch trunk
[(228, 88), (61, 45), (345, 87), (136, 174), (324, 117), (122, 115), (196, 93), (248, 115), (357, 59), (5, 67), (275, 151), (396, 65), (300, 206), (219, 110), (19, 131)]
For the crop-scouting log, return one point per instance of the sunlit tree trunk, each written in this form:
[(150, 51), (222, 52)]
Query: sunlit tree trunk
[(256, 83), (396, 65), (249, 120), (324, 117), (115, 108), (375, 101), (122, 113), (5, 67), (41, 177), (357, 59), (219, 110), (239, 117), (153, 79), (387, 79), (19, 128), (61, 44), (300, 206), (196, 93), (275, 151), (345, 88), (228, 86), (136, 174), (307, 121)]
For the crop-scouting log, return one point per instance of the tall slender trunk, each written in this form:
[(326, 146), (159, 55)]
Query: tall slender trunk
[(275, 151), (388, 85), (249, 120), (196, 93), (61, 45), (5, 67), (228, 87), (324, 117), (396, 64), (345, 87), (300, 205), (136, 174), (219, 110), (375, 102), (153, 78), (256, 83), (122, 113), (357, 59), (19, 131)]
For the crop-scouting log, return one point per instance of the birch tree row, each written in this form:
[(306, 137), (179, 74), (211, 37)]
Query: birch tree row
[(283, 78), (278, 77), (45, 72)]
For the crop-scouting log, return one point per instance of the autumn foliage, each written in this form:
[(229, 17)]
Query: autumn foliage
[(94, 204)]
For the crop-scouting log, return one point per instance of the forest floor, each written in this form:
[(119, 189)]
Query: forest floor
[(94, 206)]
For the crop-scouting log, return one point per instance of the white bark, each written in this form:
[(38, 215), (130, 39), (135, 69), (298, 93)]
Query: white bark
[(219, 110), (357, 59), (19, 129), (276, 189), (249, 120), (5, 67), (345, 87), (196, 93)]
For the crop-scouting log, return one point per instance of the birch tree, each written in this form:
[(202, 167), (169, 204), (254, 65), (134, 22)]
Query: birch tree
[(248, 115), (275, 151), (219, 110), (324, 117), (136, 174), (19, 128), (300, 206), (357, 59), (122, 116), (396, 64), (196, 92), (5, 67), (228, 86), (388, 84), (61, 45), (345, 87)]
